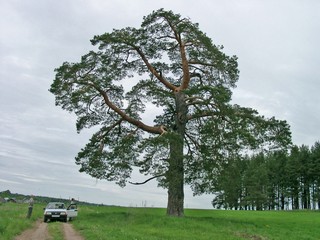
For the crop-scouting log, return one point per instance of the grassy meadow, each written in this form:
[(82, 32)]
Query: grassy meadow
[(103, 222), (152, 223)]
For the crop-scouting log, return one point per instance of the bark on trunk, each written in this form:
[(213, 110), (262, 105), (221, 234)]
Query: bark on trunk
[(175, 175), (282, 202), (176, 181)]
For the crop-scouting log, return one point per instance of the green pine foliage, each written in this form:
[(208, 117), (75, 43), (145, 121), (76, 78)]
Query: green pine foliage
[(271, 181)]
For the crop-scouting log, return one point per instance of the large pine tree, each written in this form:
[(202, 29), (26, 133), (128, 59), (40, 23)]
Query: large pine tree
[(171, 64)]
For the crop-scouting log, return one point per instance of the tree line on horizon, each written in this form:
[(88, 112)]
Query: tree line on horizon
[(271, 181)]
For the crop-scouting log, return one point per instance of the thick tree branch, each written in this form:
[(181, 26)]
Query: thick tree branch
[(154, 71), (184, 61), (185, 68), (124, 116)]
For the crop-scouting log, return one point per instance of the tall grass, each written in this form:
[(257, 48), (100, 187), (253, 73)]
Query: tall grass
[(13, 219), (143, 223)]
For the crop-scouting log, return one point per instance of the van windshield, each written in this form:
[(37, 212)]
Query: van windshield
[(55, 206)]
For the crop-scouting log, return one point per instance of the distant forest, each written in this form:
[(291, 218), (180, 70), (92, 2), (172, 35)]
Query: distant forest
[(271, 181), (21, 198)]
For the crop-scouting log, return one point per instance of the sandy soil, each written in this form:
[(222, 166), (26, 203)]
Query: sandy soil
[(40, 232)]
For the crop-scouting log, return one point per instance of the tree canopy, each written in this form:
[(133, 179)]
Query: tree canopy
[(170, 66)]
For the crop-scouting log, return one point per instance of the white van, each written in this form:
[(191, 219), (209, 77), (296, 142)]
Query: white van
[(56, 211)]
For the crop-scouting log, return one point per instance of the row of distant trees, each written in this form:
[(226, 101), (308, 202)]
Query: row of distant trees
[(271, 181)]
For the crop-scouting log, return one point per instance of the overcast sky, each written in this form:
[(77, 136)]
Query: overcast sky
[(277, 43)]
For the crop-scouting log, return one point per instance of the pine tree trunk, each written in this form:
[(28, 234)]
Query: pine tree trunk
[(175, 175), (176, 181), (296, 201), (282, 202)]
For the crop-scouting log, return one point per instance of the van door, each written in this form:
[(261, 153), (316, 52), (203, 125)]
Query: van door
[(72, 211)]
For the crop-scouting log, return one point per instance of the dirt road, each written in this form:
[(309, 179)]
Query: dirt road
[(40, 232), (70, 233)]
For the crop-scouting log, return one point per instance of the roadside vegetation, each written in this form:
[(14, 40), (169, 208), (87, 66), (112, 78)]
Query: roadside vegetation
[(104, 222), (13, 219)]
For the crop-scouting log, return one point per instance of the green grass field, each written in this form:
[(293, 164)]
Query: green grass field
[(151, 223), (102, 222)]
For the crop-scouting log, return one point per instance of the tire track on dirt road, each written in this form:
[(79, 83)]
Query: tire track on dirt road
[(40, 232)]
